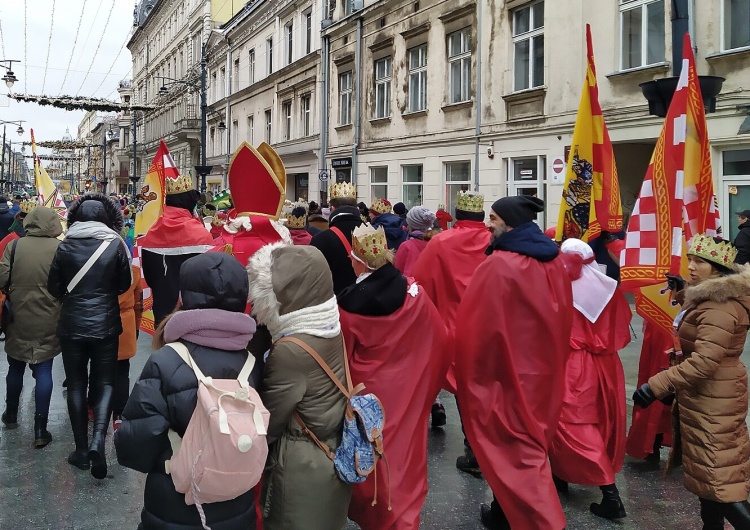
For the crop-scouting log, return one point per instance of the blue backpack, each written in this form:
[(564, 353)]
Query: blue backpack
[(362, 437)]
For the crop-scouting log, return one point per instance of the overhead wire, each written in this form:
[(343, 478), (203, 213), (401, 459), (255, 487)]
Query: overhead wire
[(88, 34), (96, 52), (109, 71), (2, 40), (49, 43), (72, 51), (25, 44)]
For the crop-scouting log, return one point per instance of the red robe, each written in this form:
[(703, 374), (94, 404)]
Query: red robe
[(400, 358), (446, 266), (178, 231), (513, 328), (657, 418), (244, 244), (408, 254), (589, 447), (7, 239), (300, 236)]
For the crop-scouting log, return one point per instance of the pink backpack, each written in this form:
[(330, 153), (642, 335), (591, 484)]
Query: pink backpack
[(224, 450)]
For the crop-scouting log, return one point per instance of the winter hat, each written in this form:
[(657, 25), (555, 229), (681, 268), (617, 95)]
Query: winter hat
[(420, 218), (399, 208), (517, 210), (214, 280)]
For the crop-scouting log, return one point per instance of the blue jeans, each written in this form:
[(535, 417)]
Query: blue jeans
[(42, 372)]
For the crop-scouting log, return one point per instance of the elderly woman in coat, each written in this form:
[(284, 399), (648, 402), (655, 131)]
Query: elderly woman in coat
[(292, 293), (31, 337), (710, 384)]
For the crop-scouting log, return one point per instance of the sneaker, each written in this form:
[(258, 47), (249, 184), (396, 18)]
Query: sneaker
[(116, 422), (438, 415), (468, 463)]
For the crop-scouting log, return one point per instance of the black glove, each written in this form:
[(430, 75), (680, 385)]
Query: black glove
[(643, 397), (675, 283), (668, 400)]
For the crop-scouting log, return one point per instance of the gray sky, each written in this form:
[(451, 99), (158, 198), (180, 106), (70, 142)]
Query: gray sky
[(50, 42)]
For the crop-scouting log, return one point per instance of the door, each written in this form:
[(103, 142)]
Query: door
[(526, 176), (736, 195)]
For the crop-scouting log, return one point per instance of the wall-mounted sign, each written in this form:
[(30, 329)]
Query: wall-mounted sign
[(341, 162), (323, 175)]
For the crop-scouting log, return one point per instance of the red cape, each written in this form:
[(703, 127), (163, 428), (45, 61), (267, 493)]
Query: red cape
[(657, 418), (445, 268), (178, 231), (7, 239), (244, 244), (512, 337), (405, 368), (590, 444), (300, 236)]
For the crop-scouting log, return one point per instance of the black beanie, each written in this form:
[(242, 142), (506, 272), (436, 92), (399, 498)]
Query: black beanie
[(517, 210), (399, 208)]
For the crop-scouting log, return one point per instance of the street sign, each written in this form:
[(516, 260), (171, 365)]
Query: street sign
[(341, 162), (323, 175), (558, 166)]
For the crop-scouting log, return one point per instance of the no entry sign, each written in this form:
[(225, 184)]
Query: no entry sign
[(558, 166)]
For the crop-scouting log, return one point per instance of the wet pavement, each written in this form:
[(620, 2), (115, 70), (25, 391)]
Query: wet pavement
[(39, 490)]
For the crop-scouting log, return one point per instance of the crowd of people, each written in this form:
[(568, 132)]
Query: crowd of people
[(292, 299)]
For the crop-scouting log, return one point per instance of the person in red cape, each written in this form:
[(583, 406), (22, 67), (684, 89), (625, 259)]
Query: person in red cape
[(589, 448), (444, 269), (513, 327), (296, 222), (217, 223), (384, 317), (174, 238), (419, 222)]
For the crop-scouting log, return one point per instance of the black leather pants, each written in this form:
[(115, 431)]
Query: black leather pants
[(76, 355)]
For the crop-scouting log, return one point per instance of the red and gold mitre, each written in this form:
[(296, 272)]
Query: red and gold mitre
[(257, 179)]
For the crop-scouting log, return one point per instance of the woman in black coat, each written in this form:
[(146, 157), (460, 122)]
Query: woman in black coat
[(90, 324), (212, 324)]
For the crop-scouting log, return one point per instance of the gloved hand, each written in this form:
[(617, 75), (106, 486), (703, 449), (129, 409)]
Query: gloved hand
[(675, 283), (668, 400), (643, 397)]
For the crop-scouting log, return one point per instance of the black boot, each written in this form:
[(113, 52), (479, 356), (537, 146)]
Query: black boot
[(611, 506), (468, 463), (656, 455), (98, 457), (79, 460), (41, 435), (711, 515), (737, 513), (560, 485), (493, 517), (438, 415), (10, 416)]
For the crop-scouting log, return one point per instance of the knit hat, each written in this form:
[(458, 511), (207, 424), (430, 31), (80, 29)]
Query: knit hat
[(380, 206), (399, 208), (420, 218), (717, 251), (517, 210)]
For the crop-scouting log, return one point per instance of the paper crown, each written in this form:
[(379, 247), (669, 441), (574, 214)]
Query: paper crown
[(470, 201), (343, 190), (381, 206), (27, 206), (369, 243), (721, 253), (257, 179), (181, 184), (219, 219), (292, 221)]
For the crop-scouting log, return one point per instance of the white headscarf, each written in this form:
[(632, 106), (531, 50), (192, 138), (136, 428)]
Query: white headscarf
[(594, 289)]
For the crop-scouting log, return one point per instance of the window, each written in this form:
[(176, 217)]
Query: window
[(236, 81), (212, 140), (378, 183), (348, 7), (250, 129), (528, 46), (252, 65), (222, 83), (308, 31), (286, 110), (214, 86), (345, 98), (457, 178), (306, 116), (736, 18), (235, 134), (269, 54), (418, 78), (289, 34), (412, 185), (459, 66), (642, 33), (383, 87), (268, 126)]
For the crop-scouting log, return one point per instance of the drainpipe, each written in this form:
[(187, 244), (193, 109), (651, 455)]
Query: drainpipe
[(324, 101), (680, 26), (357, 99), (478, 106), (228, 111)]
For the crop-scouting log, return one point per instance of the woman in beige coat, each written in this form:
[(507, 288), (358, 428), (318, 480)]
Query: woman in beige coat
[(710, 384), (291, 291)]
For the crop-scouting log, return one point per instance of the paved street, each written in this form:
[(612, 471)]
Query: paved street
[(38, 489)]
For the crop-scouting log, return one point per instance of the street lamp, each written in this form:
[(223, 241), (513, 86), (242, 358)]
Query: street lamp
[(19, 131), (105, 136), (9, 77)]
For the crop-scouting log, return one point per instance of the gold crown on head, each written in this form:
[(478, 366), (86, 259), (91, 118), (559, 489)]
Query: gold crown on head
[(181, 184), (721, 253), (343, 190), (381, 206), (219, 219), (27, 206), (470, 201), (293, 221), (369, 243)]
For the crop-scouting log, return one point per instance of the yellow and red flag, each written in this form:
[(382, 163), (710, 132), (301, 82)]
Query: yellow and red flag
[(676, 201), (591, 194), (46, 190)]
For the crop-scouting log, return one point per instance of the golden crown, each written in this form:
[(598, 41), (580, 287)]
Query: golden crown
[(369, 243), (470, 201), (181, 184), (721, 253), (381, 206), (219, 220), (27, 206), (343, 190)]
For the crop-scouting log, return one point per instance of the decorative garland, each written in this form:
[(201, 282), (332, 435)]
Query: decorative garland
[(63, 146), (55, 158), (79, 103)]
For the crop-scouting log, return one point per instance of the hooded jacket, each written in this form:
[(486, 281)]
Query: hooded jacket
[(393, 226), (31, 336), (92, 310), (346, 219), (742, 242), (711, 388)]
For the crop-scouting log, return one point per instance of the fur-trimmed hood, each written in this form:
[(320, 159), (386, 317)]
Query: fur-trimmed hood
[(110, 214), (723, 288)]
